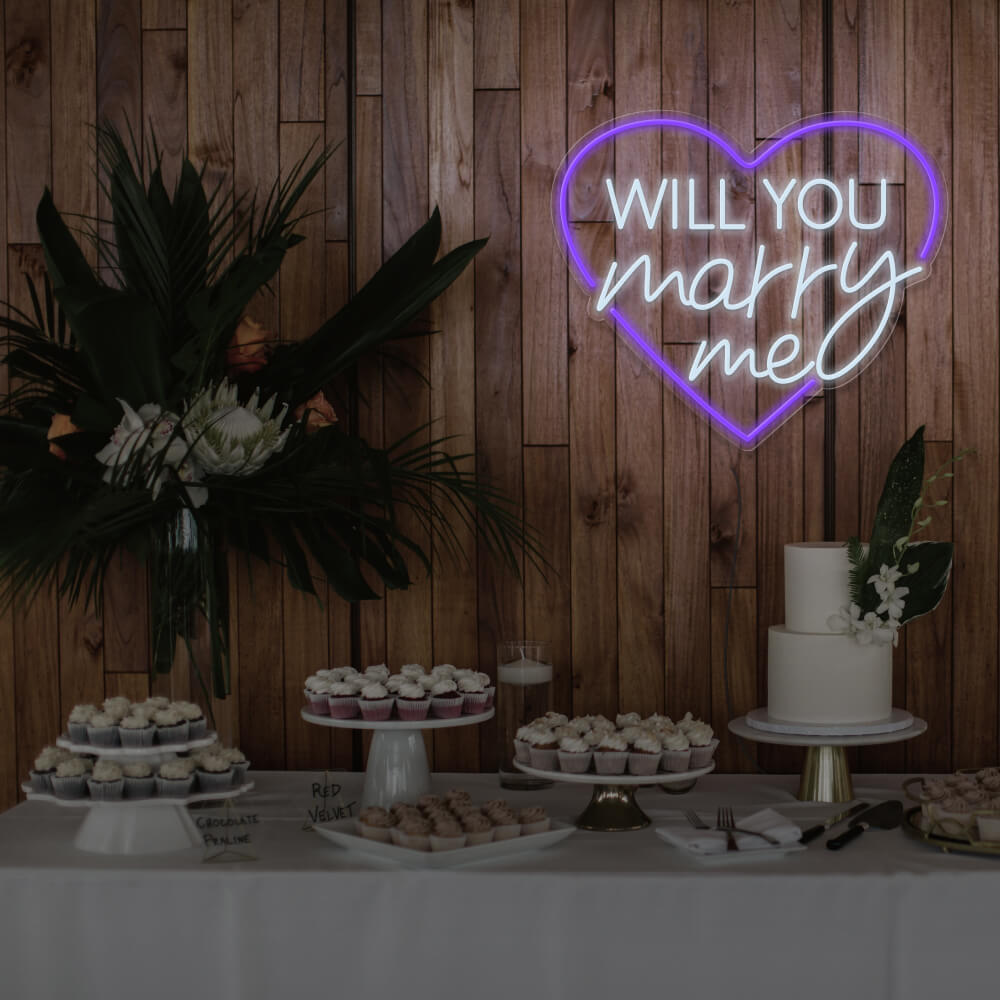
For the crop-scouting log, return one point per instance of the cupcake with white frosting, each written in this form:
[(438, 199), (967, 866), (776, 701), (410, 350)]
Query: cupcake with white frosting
[(70, 779), (624, 719), (676, 755), (78, 720), (446, 699), (136, 730), (45, 767), (478, 828), (239, 763), (117, 708), (522, 745), (543, 748), (574, 755), (394, 682), (533, 819), (102, 730), (375, 702), (171, 726), (644, 755), (412, 670), (139, 780), (611, 755), (317, 692), (444, 670), (703, 743), (473, 694), (175, 779), (506, 825), (412, 701), (343, 700), (195, 718), (214, 773), (106, 782), (377, 672)]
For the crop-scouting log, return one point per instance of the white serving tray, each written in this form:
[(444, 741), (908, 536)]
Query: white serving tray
[(726, 857), (137, 753), (343, 832), (150, 801)]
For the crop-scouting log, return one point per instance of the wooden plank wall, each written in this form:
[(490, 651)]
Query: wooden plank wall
[(471, 105)]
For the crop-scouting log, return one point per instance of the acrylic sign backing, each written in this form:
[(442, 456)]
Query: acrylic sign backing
[(739, 238)]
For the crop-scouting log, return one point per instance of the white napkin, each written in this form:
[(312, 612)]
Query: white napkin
[(714, 841)]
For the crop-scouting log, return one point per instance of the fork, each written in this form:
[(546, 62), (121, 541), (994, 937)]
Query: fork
[(724, 820), (695, 820)]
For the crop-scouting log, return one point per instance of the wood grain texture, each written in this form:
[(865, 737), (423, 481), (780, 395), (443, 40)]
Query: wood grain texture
[(734, 672), (778, 56), (301, 61), (164, 111), (368, 47), (29, 114), (881, 89), (164, 14), (497, 44), (543, 145), (210, 88), (337, 118)]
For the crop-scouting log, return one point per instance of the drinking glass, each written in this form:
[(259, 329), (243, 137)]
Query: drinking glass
[(524, 692)]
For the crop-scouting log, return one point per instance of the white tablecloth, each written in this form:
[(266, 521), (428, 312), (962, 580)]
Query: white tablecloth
[(600, 915)]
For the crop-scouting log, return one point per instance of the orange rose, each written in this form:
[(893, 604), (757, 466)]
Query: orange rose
[(317, 411), (60, 426), (249, 349)]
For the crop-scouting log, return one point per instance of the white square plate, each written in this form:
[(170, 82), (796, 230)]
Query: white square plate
[(725, 857), (343, 832)]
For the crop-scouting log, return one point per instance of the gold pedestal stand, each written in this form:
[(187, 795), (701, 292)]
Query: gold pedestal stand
[(612, 808)]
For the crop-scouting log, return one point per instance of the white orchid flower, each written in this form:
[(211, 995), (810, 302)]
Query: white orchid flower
[(894, 603)]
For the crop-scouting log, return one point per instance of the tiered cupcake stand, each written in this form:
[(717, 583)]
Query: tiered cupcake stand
[(138, 826), (826, 776), (612, 807), (397, 762)]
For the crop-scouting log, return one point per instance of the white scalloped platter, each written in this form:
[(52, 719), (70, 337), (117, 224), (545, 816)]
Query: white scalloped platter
[(153, 800), (397, 724), (592, 778), (157, 750), (344, 833)]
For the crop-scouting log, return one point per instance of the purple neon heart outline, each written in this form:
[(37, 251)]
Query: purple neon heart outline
[(783, 139)]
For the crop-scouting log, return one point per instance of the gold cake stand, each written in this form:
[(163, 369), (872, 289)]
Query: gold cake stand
[(825, 775), (612, 807)]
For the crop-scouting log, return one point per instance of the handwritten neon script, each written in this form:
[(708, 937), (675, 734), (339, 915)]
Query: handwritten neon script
[(672, 206)]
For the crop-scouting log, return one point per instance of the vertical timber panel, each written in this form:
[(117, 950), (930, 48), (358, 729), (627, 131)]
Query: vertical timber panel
[(338, 96), (301, 61), (210, 88), (164, 112), (497, 23)]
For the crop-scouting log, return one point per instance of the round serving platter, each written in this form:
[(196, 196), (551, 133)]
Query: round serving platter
[(399, 725), (899, 719), (913, 824), (136, 753), (612, 806), (160, 801)]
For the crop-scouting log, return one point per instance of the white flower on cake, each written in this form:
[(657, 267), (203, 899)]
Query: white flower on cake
[(233, 439), (866, 629)]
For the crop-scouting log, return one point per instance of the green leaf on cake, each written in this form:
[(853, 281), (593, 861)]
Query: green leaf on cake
[(928, 584)]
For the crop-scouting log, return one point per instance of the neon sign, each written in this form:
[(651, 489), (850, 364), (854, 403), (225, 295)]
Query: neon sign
[(743, 267)]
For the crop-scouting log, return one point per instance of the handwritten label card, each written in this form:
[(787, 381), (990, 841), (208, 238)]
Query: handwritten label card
[(328, 804)]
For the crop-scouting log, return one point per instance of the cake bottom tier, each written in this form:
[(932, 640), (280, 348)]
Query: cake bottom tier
[(826, 678)]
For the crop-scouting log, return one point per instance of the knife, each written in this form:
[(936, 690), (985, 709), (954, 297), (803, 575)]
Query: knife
[(884, 816), (820, 828)]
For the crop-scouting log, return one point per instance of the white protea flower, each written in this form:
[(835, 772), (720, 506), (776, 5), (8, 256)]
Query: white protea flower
[(230, 438)]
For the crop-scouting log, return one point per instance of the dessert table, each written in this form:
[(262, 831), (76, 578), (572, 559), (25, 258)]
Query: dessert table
[(598, 915)]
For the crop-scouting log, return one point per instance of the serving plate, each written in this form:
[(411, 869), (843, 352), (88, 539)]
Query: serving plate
[(914, 825), (344, 833)]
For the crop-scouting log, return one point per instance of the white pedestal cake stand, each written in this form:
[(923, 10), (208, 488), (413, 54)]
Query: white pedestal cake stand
[(612, 806), (397, 762), (138, 826), (825, 774)]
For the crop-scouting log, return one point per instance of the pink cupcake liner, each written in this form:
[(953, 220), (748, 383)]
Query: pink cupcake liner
[(702, 756), (413, 710), (491, 694), (522, 751), (376, 711), (319, 704), (544, 760), (446, 708), (610, 761), (574, 763), (343, 708), (676, 761), (474, 703), (642, 764)]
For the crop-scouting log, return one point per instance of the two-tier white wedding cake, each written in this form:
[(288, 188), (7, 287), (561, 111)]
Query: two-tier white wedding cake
[(817, 676)]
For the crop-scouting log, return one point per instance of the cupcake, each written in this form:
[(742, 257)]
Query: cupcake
[(522, 748), (102, 730), (317, 692), (533, 819), (413, 832), (375, 702), (394, 682), (473, 695), (117, 708), (506, 825), (106, 782), (412, 701), (553, 719), (136, 731), (644, 757), (239, 762), (70, 779), (343, 700), (171, 726), (543, 748), (427, 681), (195, 718), (611, 755), (429, 801), (447, 835), (478, 829), (175, 779), (446, 700), (411, 670), (456, 795), (676, 755), (446, 670), (152, 705), (703, 744), (45, 767), (215, 773), (339, 674), (139, 780), (377, 672), (376, 824), (574, 755), (78, 720)]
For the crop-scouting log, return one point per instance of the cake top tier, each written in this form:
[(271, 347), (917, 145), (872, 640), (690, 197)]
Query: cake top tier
[(817, 578)]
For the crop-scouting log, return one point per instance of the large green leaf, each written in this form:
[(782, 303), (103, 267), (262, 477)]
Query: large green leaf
[(928, 584), (67, 267)]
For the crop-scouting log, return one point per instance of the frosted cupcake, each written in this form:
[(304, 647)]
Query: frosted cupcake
[(239, 762), (156, 703), (376, 824), (574, 755), (343, 700), (446, 700), (412, 670), (106, 782), (473, 695), (45, 767), (412, 701), (703, 743), (444, 670), (489, 687), (136, 731), (78, 720), (375, 702), (377, 672), (534, 819), (611, 755), (317, 692), (478, 829), (139, 780), (543, 748), (171, 726), (447, 835), (506, 825), (622, 720), (117, 708), (522, 748), (175, 779), (102, 730), (394, 682), (70, 779), (215, 773), (195, 717), (644, 757), (413, 832), (676, 756)]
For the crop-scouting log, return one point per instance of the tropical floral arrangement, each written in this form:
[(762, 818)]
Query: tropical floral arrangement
[(895, 578), (150, 412)]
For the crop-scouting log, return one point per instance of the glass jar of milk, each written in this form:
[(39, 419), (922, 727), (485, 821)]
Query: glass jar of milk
[(524, 692)]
